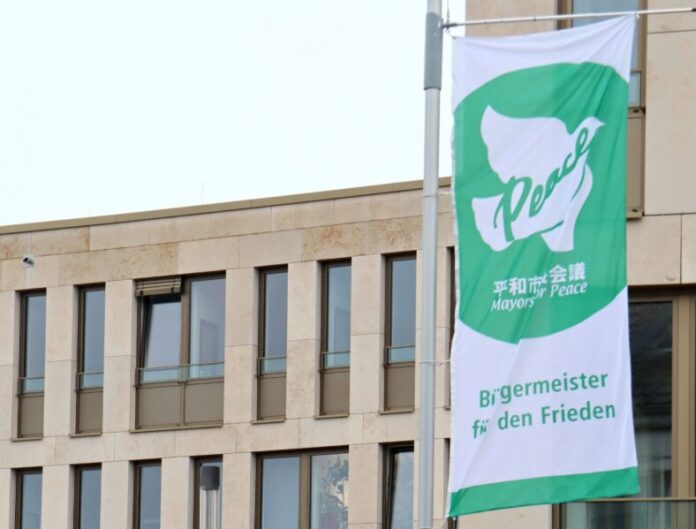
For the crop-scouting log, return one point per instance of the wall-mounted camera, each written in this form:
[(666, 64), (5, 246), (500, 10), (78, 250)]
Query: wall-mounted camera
[(28, 261)]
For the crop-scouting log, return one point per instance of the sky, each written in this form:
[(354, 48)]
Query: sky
[(116, 106)]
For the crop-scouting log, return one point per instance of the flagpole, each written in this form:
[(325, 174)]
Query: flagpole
[(432, 85), (574, 16)]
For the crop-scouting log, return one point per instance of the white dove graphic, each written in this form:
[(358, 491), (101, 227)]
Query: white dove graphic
[(546, 175)]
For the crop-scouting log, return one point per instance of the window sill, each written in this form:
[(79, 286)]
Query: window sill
[(395, 412), (85, 434), (267, 421), (176, 428), (25, 439), (332, 416)]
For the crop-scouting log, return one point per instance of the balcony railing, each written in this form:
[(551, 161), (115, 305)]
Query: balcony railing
[(29, 385)]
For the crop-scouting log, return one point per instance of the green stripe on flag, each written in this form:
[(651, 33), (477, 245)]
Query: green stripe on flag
[(554, 489)]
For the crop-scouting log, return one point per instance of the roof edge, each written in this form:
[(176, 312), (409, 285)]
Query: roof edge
[(218, 207)]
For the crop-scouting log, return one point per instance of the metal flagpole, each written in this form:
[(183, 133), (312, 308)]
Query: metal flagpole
[(542, 18), (432, 85)]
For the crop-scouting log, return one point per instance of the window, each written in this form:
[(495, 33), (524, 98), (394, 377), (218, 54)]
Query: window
[(400, 347), (303, 491), (87, 497), (148, 493), (335, 339), (273, 332), (636, 98), (398, 482), (28, 499), (181, 351), (90, 375), (208, 494), (32, 363), (655, 355)]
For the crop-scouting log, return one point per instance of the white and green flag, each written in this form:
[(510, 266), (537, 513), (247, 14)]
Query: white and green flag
[(541, 382)]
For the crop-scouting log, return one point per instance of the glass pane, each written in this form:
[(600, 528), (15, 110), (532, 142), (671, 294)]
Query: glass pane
[(32, 385), (160, 374), (403, 302), (163, 328), (401, 504), (338, 308), (93, 332), (275, 314), (206, 370), (329, 501), (273, 365), (90, 498), (91, 380), (35, 335), (636, 515), (336, 360), (280, 494), (651, 368), (149, 501), (210, 495), (600, 6), (401, 354), (30, 510), (207, 338)]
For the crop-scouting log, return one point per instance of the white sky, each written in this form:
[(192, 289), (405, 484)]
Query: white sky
[(114, 106)]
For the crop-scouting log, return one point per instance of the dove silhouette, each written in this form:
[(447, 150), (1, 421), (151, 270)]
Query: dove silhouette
[(545, 175)]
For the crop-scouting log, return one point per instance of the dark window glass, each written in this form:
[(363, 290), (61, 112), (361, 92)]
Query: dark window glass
[(275, 320), (329, 494), (209, 495), (651, 372), (88, 497), (400, 483), (29, 501), (280, 493), (337, 315), (599, 6), (92, 336), (402, 309), (207, 317), (149, 496), (34, 342), (162, 327)]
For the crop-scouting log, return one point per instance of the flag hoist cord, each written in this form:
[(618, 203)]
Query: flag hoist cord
[(434, 26)]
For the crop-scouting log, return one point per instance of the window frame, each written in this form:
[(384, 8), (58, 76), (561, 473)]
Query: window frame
[(19, 492), (137, 479), (184, 330), (77, 492), (683, 391), (197, 463), (392, 369), (341, 373), (263, 273), (387, 476), (24, 296), (304, 485), (81, 327)]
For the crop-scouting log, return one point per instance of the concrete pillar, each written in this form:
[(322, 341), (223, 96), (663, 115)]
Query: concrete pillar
[(116, 495), (177, 493), (56, 497), (61, 360), (238, 491), (302, 398), (119, 356), (365, 485)]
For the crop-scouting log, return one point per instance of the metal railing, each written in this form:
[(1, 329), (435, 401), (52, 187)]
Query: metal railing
[(90, 380), (335, 359), (400, 354), (270, 365)]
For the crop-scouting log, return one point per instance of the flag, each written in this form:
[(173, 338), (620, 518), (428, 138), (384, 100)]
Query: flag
[(541, 384)]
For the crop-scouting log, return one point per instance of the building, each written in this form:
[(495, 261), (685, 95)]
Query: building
[(252, 364)]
